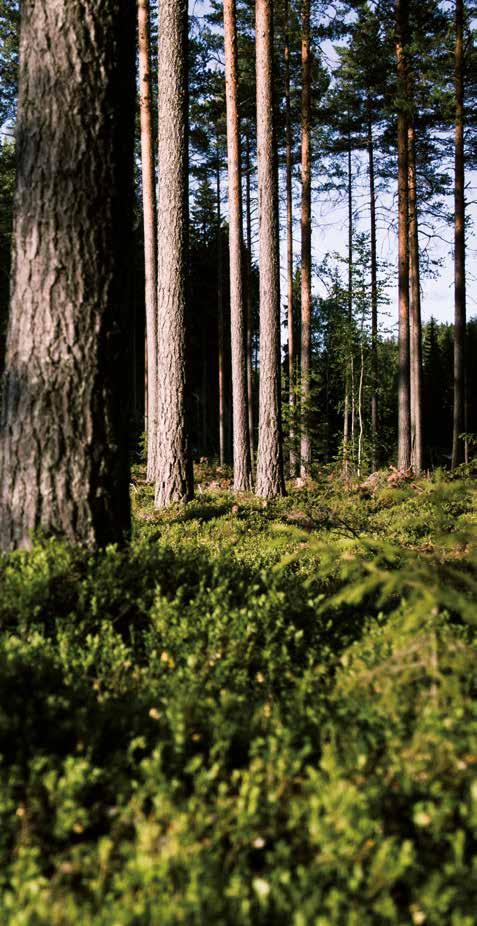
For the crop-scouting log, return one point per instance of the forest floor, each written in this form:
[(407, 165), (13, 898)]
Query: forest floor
[(253, 715)]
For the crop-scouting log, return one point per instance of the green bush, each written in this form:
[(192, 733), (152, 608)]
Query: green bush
[(243, 721)]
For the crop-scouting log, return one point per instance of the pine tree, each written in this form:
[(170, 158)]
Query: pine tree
[(174, 480), (63, 445)]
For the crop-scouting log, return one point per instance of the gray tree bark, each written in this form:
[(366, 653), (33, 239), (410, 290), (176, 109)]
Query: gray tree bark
[(174, 472), (150, 238), (270, 479), (250, 324), (241, 441), (404, 399), (374, 292), (63, 442), (305, 442), (458, 444)]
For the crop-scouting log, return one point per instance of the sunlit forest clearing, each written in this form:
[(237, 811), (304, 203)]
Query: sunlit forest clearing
[(238, 463)]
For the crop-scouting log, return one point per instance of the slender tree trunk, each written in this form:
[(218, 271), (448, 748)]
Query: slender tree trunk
[(289, 193), (249, 299), (458, 448), (241, 443), (150, 239), (374, 296), (404, 421), (220, 314), (63, 438), (349, 379), (360, 408), (270, 480), (305, 442), (174, 476), (414, 312)]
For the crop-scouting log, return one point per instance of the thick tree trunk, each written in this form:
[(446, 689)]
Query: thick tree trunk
[(414, 313), (404, 407), (270, 480), (289, 193), (150, 238), (220, 316), (63, 439), (305, 441), (174, 472), (249, 301), (458, 447), (241, 443), (374, 296)]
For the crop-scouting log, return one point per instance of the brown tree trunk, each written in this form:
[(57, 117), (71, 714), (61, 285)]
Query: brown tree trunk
[(150, 239), (174, 476), (63, 439), (349, 378), (458, 447), (241, 443), (404, 419), (414, 312), (220, 314), (289, 194), (305, 441), (270, 480), (374, 296), (249, 300)]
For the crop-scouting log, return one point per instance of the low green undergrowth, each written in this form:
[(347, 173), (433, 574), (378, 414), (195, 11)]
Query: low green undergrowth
[(254, 715)]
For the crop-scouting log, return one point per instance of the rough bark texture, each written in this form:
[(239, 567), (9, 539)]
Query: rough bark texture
[(305, 439), (63, 442), (458, 447), (415, 331), (270, 481), (241, 443), (374, 295), (150, 238), (174, 477), (220, 318), (404, 406), (289, 194), (349, 377), (249, 302)]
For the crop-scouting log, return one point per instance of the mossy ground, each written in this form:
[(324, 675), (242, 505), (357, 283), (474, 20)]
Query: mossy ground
[(253, 715)]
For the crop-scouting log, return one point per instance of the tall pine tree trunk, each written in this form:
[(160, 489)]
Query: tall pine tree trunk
[(404, 406), (289, 195), (220, 317), (241, 444), (63, 439), (415, 338), (349, 379), (174, 472), (150, 238), (249, 298), (458, 447), (374, 295), (270, 480), (305, 440)]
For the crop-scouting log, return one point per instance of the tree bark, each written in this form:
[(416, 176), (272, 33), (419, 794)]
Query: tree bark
[(305, 441), (374, 295), (220, 315), (270, 480), (404, 416), (150, 238), (289, 194), (414, 312), (241, 443), (458, 444), (249, 301), (349, 378), (174, 471), (63, 439)]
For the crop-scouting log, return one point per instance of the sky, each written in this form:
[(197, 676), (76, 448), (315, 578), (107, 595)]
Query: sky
[(330, 234)]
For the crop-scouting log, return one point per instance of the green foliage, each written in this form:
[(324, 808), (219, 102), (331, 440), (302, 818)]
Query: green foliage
[(252, 716)]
